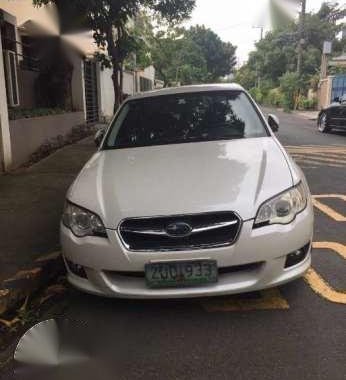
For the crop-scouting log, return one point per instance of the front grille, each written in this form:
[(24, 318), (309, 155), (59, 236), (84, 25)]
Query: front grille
[(199, 231)]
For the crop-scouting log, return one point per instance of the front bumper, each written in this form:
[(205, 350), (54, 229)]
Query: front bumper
[(269, 245)]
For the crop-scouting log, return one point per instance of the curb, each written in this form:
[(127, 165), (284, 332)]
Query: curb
[(26, 282)]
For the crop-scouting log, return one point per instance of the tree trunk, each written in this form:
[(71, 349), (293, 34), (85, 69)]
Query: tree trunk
[(121, 82), (116, 86), (117, 68)]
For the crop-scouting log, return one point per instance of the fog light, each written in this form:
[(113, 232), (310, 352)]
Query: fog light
[(76, 269), (297, 256)]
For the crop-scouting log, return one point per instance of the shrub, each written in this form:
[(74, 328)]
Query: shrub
[(256, 93), (306, 104), (275, 97), (22, 113), (289, 86)]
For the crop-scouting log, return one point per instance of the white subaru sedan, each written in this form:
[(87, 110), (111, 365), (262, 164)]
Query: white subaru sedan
[(189, 194)]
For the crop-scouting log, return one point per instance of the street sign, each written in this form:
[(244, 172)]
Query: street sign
[(327, 47)]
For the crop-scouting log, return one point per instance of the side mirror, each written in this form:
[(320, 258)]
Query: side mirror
[(99, 137), (273, 122), (336, 100)]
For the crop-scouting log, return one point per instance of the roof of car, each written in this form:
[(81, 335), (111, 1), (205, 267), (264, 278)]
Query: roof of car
[(187, 89)]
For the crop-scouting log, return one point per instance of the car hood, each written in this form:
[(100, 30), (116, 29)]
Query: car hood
[(235, 175)]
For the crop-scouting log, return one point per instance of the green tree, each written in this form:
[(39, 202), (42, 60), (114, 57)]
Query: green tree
[(276, 53), (219, 55), (289, 86), (195, 55), (109, 20), (177, 58)]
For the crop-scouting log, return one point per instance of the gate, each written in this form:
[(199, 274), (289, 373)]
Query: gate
[(338, 86), (91, 98)]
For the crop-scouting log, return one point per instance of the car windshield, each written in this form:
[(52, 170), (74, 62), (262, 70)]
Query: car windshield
[(184, 118)]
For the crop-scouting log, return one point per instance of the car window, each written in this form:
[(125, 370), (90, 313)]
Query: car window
[(183, 118)]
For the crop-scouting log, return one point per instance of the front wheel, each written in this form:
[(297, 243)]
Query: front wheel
[(322, 123)]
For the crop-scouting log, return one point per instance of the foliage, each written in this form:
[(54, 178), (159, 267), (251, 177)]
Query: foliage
[(276, 54), (176, 58), (305, 103), (275, 97), (187, 56), (256, 93), (109, 20), (21, 113), (141, 29), (246, 77), (219, 56), (289, 86)]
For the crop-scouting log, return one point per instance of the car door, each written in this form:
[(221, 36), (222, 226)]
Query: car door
[(336, 115), (342, 112)]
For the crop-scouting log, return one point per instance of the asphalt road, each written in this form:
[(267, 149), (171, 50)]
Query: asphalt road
[(295, 332)]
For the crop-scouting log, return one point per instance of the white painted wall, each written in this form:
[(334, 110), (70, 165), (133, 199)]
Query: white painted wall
[(27, 135), (106, 93), (149, 72), (5, 139), (129, 83)]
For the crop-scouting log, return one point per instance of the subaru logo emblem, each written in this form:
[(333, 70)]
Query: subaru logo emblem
[(179, 229)]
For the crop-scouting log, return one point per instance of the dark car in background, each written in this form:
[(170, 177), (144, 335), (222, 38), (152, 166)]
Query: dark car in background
[(333, 116)]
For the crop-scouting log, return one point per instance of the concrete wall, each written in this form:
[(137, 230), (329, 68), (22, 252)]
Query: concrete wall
[(324, 92), (27, 135), (129, 83), (106, 90), (5, 143), (148, 73), (106, 93)]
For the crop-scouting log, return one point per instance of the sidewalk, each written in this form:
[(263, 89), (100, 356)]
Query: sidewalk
[(308, 115), (31, 202)]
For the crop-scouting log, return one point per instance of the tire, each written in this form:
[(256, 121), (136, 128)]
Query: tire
[(322, 123)]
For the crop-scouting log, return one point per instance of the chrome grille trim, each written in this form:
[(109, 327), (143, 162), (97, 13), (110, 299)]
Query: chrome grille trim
[(193, 231), (234, 222)]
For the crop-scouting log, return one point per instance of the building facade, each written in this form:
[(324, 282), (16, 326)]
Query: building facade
[(50, 82)]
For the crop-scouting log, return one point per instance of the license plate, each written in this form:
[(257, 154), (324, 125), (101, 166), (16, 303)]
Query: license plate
[(180, 273)]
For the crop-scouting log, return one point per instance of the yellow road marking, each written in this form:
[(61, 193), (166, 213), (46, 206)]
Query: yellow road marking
[(339, 248), (319, 155), (317, 283), (332, 154), (297, 149), (316, 162), (340, 196), (270, 299), (328, 210), (317, 148), (320, 158), (321, 287)]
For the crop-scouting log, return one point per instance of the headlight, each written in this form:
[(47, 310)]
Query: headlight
[(82, 222), (283, 208)]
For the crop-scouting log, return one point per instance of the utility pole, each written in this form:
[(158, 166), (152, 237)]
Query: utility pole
[(327, 50), (261, 27), (258, 84), (301, 33)]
